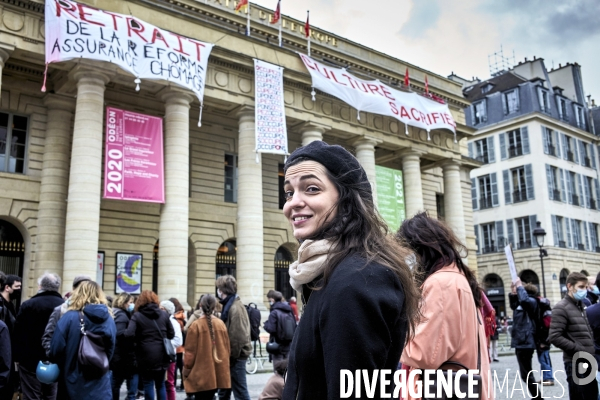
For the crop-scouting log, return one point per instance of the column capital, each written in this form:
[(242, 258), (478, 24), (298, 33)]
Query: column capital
[(451, 165), (82, 73), (410, 154), (312, 126), (59, 102), (365, 142), (5, 52), (173, 95), (243, 112)]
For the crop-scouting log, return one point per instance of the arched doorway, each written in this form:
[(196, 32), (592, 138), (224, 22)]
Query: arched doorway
[(12, 252), (563, 282), (528, 276), (226, 264), (283, 259), (494, 290)]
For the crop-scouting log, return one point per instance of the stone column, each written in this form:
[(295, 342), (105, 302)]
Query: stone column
[(85, 178), (54, 186), (365, 153), (312, 131), (174, 215), (249, 230), (413, 188), (453, 202)]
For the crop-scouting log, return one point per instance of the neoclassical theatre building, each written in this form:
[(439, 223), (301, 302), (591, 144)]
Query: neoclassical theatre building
[(222, 212)]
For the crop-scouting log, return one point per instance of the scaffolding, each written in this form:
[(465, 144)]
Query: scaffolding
[(499, 64)]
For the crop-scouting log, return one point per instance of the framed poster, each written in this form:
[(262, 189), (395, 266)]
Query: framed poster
[(100, 269), (128, 273)]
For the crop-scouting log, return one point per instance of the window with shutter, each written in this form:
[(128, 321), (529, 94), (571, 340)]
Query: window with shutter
[(587, 192), (494, 184), (529, 182), (509, 232), (560, 232), (583, 157), (525, 140), (476, 230), (543, 97), (515, 144), (470, 148), (500, 235), (511, 101), (593, 237), (597, 184), (586, 236), (474, 194), (506, 181), (580, 193), (555, 236), (523, 232), (481, 151), (490, 150), (565, 147), (519, 184), (556, 142), (575, 228), (480, 112), (545, 140), (563, 190), (532, 220), (503, 152), (550, 182), (487, 238), (569, 183), (569, 233), (574, 149), (485, 191), (592, 156)]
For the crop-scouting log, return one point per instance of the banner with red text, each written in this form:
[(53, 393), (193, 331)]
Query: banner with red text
[(75, 30), (379, 98), (269, 109), (133, 162)]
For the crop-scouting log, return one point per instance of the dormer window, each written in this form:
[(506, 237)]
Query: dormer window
[(544, 98), (510, 101), (479, 112), (486, 88), (562, 108), (579, 116)]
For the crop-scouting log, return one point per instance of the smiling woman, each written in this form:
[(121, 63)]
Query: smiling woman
[(360, 298)]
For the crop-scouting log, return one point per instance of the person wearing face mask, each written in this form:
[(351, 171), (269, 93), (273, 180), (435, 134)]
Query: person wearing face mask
[(280, 312), (123, 364), (11, 290), (592, 292), (570, 331)]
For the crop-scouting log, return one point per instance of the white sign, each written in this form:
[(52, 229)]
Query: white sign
[(75, 30), (378, 98), (269, 109), (511, 263)]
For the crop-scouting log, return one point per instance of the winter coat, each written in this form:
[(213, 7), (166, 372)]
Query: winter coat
[(65, 346), (278, 310), (238, 328), (569, 329), (56, 315), (593, 316), (7, 314), (524, 307), (30, 326), (273, 390), (450, 327), (150, 350), (200, 371), (197, 314), (180, 317), (124, 358), (354, 322), (5, 354)]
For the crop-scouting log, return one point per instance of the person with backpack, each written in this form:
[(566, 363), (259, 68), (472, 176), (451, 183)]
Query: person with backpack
[(524, 305), (254, 317), (542, 328), (281, 325), (87, 307)]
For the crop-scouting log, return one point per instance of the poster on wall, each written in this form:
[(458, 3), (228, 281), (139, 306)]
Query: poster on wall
[(133, 160), (390, 196), (269, 110), (100, 269), (128, 273)]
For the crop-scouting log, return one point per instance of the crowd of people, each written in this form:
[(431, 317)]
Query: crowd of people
[(372, 300)]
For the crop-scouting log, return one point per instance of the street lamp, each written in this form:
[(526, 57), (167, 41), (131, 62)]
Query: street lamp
[(539, 233)]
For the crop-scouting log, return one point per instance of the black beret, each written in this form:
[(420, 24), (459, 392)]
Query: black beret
[(343, 165)]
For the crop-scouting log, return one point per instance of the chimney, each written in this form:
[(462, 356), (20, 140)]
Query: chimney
[(525, 59)]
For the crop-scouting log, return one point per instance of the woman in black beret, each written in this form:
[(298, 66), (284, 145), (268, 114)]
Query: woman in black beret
[(360, 299)]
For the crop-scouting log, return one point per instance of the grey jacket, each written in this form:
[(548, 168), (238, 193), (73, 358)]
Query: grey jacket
[(570, 330), (57, 314)]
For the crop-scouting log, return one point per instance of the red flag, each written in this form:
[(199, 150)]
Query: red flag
[(426, 86), (277, 13), (243, 4), (307, 26), (406, 78)]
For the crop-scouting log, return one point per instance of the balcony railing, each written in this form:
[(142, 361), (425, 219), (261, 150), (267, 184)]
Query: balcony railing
[(525, 244), (515, 151), (562, 243), (555, 195), (580, 246), (570, 156), (485, 202), (552, 150), (587, 162), (575, 199), (488, 249), (519, 196)]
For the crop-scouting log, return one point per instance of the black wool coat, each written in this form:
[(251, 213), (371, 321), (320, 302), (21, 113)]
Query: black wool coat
[(30, 326), (149, 347), (357, 321), (124, 357)]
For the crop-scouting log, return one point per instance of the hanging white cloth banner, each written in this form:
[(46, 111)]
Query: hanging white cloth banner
[(269, 109), (379, 98), (75, 30)]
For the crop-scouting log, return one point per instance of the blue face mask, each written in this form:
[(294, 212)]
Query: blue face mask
[(595, 289), (130, 307), (580, 294)]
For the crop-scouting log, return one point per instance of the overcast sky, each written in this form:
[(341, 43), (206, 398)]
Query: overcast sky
[(458, 35)]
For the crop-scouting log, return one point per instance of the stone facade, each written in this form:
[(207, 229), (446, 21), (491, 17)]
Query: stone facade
[(56, 202)]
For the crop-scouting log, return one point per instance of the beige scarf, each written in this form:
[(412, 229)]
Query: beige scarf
[(310, 264)]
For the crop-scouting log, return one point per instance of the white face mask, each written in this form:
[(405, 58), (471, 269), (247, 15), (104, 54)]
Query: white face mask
[(271, 302), (219, 293)]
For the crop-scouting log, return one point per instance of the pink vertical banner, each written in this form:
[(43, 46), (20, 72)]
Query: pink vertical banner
[(133, 163)]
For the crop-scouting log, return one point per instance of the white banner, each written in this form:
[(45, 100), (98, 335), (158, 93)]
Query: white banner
[(75, 30), (269, 109), (378, 98)]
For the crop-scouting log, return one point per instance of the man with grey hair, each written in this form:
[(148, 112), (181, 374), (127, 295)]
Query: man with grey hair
[(29, 328)]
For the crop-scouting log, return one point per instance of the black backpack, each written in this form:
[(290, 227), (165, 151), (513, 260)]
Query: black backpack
[(254, 317), (286, 326)]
